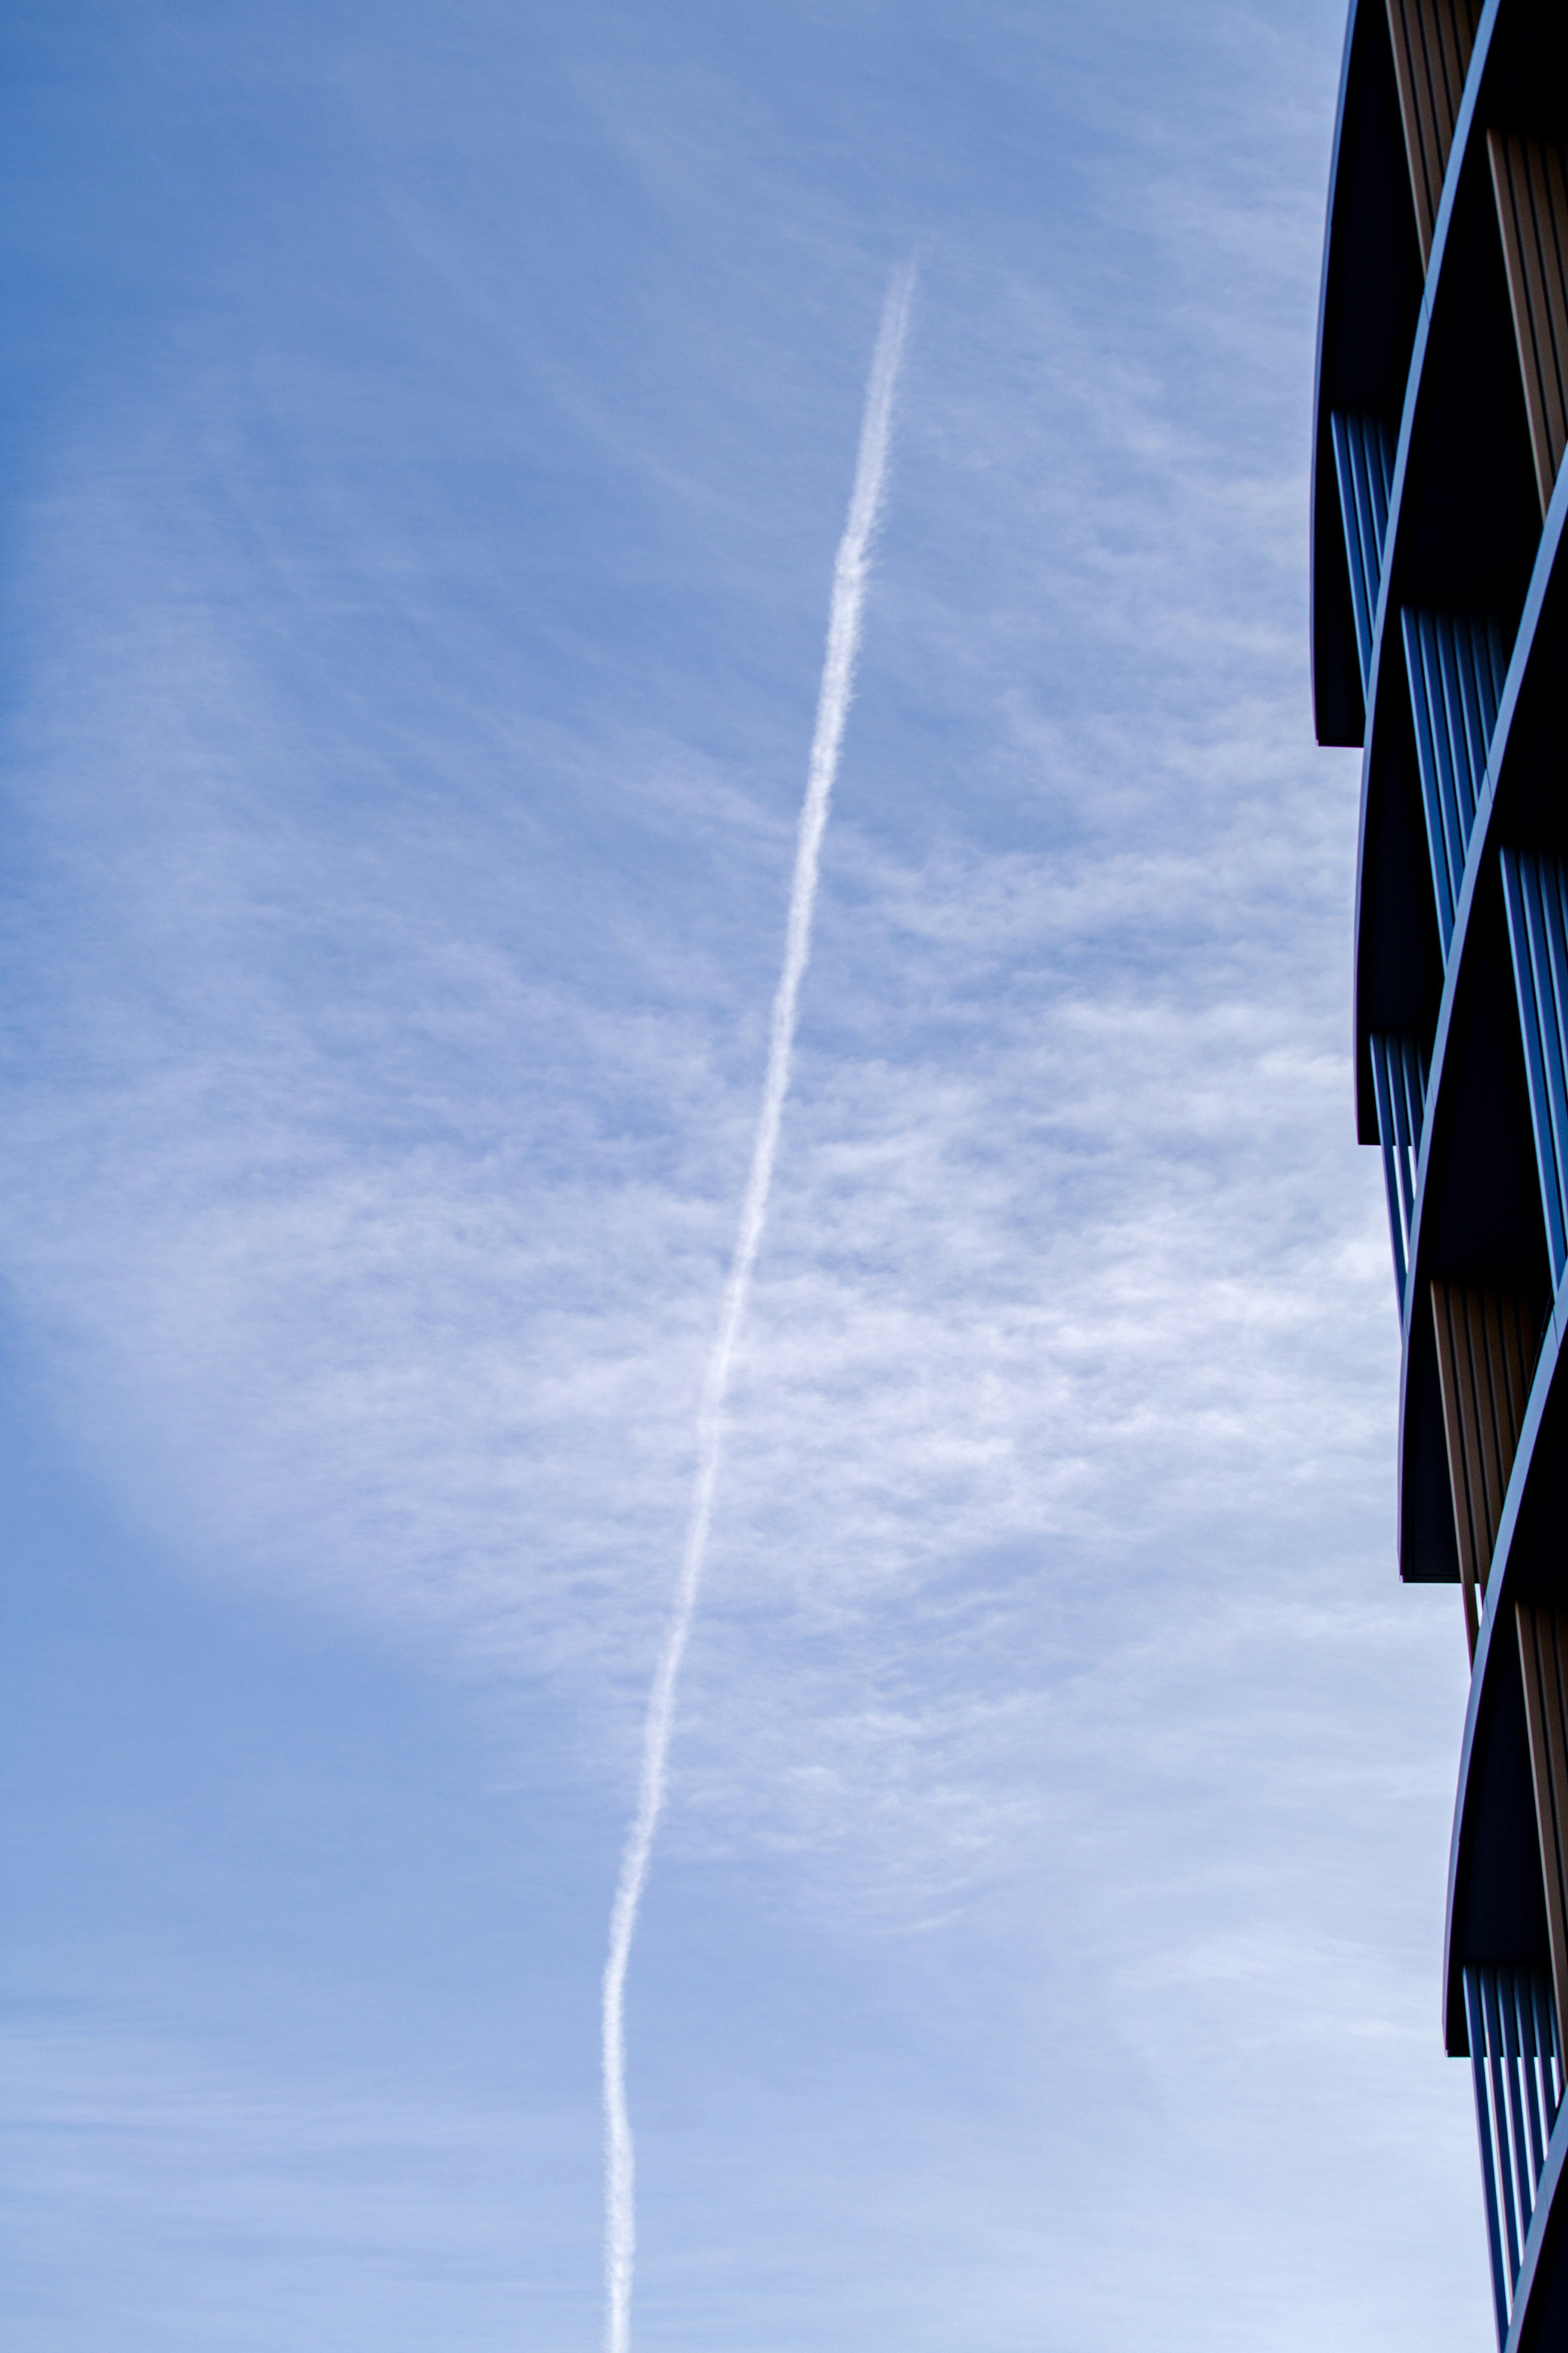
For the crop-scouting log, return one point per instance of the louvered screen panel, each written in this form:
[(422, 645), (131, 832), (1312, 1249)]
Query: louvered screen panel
[(1530, 180), (1535, 891), (1399, 1087), (1432, 44), (1363, 466), (1487, 1344), (1543, 1662), (1516, 2066), (1457, 663)]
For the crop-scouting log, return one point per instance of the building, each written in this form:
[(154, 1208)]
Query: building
[(1440, 644)]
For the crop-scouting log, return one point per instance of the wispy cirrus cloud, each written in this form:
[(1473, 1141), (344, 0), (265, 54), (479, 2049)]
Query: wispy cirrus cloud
[(404, 824)]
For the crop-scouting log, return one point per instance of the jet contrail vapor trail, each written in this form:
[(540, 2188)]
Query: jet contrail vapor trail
[(850, 572)]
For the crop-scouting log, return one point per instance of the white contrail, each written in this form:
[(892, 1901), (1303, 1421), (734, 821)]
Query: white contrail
[(850, 572)]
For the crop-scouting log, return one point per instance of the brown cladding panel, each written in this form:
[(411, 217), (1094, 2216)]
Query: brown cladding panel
[(1530, 180), (1543, 1662), (1486, 1357), (1432, 43)]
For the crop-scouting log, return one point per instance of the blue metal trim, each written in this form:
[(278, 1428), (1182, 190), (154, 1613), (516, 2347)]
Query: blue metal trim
[(1544, 2227), (1502, 2109), (1430, 294), (1484, 2135), (1431, 291), (1437, 776), (1538, 943), (1455, 666), (1458, 685), (1392, 1175), (1497, 1610), (1399, 1080), (1556, 2075), (1323, 284), (1395, 1180), (1513, 2040), (1364, 466), (1524, 2003), (1514, 2080), (1347, 55), (1481, 849)]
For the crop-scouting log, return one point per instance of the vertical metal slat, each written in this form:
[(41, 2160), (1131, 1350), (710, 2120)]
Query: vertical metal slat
[(1543, 179), (1550, 1693), (1529, 2054), (1474, 2020), (1449, 1381), (1363, 465), (1432, 760), (1512, 2058), (1528, 926), (1467, 738), (1486, 1359), (1392, 1165), (1557, 2077), (1538, 944), (1499, 2112), (1493, 1454), (1454, 664), (1542, 910), (1432, 41), (1551, 890), (1531, 190), (1399, 1090)]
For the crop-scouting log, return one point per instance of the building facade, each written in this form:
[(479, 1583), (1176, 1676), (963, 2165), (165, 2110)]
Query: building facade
[(1440, 645)]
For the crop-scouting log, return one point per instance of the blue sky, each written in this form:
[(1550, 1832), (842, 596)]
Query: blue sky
[(427, 434)]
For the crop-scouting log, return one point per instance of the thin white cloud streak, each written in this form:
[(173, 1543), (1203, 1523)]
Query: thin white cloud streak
[(1074, 1320), (846, 616)]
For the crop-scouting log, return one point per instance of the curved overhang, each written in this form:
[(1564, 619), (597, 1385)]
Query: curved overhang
[(1432, 373), (1369, 296), (1520, 802), (1477, 1203), (1495, 1903), (1444, 545), (1540, 2321), (1495, 1900)]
